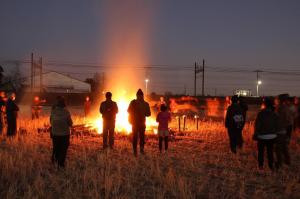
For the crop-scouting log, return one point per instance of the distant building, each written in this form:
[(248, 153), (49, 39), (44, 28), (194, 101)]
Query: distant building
[(243, 92), (54, 82)]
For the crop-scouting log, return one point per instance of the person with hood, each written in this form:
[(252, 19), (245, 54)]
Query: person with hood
[(109, 110), (138, 111), (61, 122), (282, 151), (265, 132), (234, 122), (11, 115)]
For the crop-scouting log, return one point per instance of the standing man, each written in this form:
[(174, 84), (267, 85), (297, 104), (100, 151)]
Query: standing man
[(234, 122), (109, 110), (61, 123), (284, 132), (11, 115), (2, 111), (138, 111)]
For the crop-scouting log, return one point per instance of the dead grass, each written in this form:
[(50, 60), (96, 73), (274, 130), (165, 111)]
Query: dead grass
[(199, 166)]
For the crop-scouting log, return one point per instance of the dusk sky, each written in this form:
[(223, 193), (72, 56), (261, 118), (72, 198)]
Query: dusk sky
[(234, 37)]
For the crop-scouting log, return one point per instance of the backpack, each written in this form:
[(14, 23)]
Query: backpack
[(238, 120)]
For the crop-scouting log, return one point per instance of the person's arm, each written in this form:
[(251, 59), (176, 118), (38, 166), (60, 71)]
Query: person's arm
[(69, 119), (148, 112), (101, 109), (116, 108), (227, 117), (170, 118), (258, 124), (157, 118)]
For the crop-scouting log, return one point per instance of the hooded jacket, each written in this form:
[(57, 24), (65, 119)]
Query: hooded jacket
[(61, 121)]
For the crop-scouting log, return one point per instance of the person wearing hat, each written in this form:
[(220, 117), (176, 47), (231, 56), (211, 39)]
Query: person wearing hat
[(138, 111), (109, 110), (265, 132), (234, 122), (61, 122), (11, 115), (281, 147)]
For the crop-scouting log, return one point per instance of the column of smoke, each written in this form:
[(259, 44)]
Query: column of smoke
[(127, 25)]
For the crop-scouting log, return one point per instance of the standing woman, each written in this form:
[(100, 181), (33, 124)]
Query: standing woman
[(11, 115), (266, 128), (61, 122)]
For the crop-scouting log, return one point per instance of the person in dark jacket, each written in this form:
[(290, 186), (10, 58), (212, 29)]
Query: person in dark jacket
[(138, 111), (234, 122), (265, 132), (11, 115), (61, 122), (281, 147), (2, 111), (109, 110), (244, 107)]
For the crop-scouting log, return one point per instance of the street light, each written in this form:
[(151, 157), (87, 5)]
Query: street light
[(146, 80), (257, 85)]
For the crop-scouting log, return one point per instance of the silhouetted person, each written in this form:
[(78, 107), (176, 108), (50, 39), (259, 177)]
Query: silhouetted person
[(109, 110), (11, 115), (234, 122), (87, 106), (2, 111), (61, 122), (265, 132), (36, 108), (138, 111), (282, 151), (163, 118)]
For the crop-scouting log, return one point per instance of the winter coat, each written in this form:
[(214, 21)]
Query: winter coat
[(138, 111), (266, 122), (234, 117), (11, 109), (61, 121), (109, 110)]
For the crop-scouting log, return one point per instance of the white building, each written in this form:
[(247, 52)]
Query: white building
[(54, 82)]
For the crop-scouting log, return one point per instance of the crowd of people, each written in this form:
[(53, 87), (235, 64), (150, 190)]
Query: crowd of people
[(273, 128)]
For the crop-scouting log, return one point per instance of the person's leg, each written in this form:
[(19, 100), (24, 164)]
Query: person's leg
[(134, 139), (289, 131), (111, 134), (232, 140), (166, 142), (160, 140), (269, 145), (105, 134), (278, 151), (285, 151), (261, 149), (14, 126), (64, 148), (142, 138), (240, 138)]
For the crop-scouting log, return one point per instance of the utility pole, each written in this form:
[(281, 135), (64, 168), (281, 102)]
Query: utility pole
[(203, 64), (258, 81), (36, 70), (197, 70)]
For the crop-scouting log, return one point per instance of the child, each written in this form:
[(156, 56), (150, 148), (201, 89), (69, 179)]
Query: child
[(163, 118)]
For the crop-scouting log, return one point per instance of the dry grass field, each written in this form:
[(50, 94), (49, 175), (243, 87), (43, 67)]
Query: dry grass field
[(196, 166)]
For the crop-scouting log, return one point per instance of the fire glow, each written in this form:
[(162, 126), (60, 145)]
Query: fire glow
[(122, 123)]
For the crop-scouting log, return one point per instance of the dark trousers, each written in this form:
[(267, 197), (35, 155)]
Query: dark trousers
[(282, 151), (108, 132), (235, 139), (289, 131), (138, 132), (60, 148), (160, 142), (261, 145), (11, 126)]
